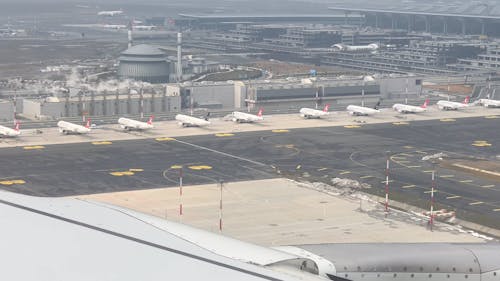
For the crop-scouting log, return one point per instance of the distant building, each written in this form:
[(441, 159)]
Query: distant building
[(144, 63)]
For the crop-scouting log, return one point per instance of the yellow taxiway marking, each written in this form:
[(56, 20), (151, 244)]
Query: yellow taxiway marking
[(406, 154), (298, 167), (453, 197), (447, 120), (321, 169), (466, 181), (400, 123), (496, 210), (352, 126), (403, 161), (481, 143), (117, 174), (476, 203), (176, 167), (136, 170), (416, 166), (200, 167), (101, 142), (492, 117), (408, 146), (12, 182), (345, 173), (408, 186), (366, 177), (447, 176), (488, 186), (164, 139), (428, 171), (33, 147), (421, 152), (398, 157), (285, 146), (280, 131), (221, 135)]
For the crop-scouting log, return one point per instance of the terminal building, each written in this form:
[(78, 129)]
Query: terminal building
[(294, 93)]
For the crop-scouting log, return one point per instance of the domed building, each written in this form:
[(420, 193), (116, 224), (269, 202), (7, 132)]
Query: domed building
[(144, 63)]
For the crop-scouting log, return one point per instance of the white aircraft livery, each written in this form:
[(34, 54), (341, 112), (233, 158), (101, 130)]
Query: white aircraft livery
[(489, 103), (452, 105), (190, 121), (309, 113), (405, 108), (130, 124), (9, 132), (109, 13), (115, 243), (361, 110), (71, 128), (242, 117)]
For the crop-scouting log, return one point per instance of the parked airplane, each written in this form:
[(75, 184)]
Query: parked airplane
[(405, 108), (309, 113), (131, 124), (71, 128), (489, 103), (361, 48), (452, 105), (242, 117), (190, 121), (9, 132), (109, 13), (361, 110)]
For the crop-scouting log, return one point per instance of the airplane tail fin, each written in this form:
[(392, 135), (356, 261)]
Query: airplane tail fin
[(466, 100), (260, 112), (327, 106), (17, 126), (87, 125), (426, 103), (150, 121)]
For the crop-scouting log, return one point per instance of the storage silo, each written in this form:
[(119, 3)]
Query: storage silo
[(144, 63)]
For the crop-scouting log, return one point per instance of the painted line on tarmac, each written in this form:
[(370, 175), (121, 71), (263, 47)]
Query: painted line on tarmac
[(476, 203), (447, 176), (366, 177), (415, 166), (408, 186), (496, 210), (430, 191), (222, 153), (466, 181), (386, 181), (453, 197), (488, 186), (345, 172)]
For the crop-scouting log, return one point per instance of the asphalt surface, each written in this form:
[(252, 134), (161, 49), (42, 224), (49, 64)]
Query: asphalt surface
[(310, 154)]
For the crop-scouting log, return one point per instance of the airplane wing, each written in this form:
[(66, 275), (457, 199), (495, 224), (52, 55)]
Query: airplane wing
[(71, 239)]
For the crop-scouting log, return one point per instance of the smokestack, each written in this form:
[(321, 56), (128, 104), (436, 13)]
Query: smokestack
[(179, 56), (130, 37)]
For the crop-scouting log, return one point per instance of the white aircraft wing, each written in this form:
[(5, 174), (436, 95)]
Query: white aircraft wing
[(70, 239)]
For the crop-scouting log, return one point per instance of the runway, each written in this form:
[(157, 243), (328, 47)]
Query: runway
[(315, 154)]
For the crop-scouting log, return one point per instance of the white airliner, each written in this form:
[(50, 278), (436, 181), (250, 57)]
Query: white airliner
[(361, 110), (489, 103), (452, 105), (360, 48), (109, 13), (190, 121), (309, 113), (405, 108), (130, 124), (242, 117), (9, 132), (71, 128)]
